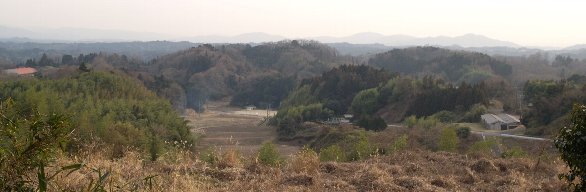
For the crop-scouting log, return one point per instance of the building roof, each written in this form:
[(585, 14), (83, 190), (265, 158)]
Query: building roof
[(503, 118), (508, 118), (491, 118), (21, 71)]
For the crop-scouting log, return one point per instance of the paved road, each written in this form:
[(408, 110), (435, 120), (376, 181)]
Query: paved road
[(492, 134), (508, 135)]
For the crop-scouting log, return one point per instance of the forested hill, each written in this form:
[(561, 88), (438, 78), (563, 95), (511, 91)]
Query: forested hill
[(212, 72), (455, 66)]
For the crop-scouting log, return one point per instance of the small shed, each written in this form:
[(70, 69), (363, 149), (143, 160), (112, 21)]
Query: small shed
[(250, 107)]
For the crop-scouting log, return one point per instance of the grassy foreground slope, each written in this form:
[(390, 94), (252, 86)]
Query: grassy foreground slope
[(405, 171)]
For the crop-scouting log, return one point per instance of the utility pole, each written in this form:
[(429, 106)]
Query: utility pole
[(268, 108)]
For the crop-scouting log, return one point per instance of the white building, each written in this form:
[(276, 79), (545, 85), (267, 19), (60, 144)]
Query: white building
[(499, 122)]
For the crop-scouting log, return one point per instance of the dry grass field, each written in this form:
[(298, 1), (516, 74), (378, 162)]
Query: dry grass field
[(405, 171), (225, 127)]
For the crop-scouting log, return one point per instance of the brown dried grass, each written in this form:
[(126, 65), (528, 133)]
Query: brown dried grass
[(407, 171)]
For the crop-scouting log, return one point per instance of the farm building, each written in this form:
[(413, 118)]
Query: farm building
[(250, 107), (501, 121), (21, 71)]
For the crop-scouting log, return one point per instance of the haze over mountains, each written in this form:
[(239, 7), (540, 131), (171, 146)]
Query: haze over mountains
[(149, 45), (95, 35)]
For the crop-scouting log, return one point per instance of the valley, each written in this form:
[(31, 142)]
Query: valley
[(224, 127)]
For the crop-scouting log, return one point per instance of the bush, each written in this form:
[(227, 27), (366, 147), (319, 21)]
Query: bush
[(305, 161), (571, 142), (448, 140), (399, 144), (209, 156), (473, 115), (427, 122), (445, 116), (410, 121), (361, 148), (28, 143), (332, 153), (372, 123), (514, 152), (463, 132), (483, 148), (230, 158), (268, 155)]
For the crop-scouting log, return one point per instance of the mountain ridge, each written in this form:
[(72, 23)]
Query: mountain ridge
[(106, 35)]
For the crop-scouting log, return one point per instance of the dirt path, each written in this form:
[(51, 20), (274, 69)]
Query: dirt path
[(226, 127)]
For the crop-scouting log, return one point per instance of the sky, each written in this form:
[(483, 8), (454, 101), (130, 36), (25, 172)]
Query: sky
[(554, 23)]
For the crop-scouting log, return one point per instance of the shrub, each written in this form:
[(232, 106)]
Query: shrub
[(305, 161), (332, 153), (448, 140), (483, 148), (399, 144), (571, 142), (445, 116), (28, 143), (427, 122), (410, 121), (209, 156), (230, 158), (473, 115), (372, 123), (514, 152), (268, 155), (463, 132), (361, 148)]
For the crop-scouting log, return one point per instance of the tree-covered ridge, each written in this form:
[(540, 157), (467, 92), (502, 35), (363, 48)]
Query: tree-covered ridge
[(454, 66), (216, 71), (115, 109)]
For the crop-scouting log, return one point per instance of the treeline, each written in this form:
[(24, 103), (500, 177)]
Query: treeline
[(120, 61), (16, 52), (549, 102), (114, 109), (454, 66)]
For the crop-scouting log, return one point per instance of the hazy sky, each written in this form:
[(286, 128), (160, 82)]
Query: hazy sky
[(526, 22)]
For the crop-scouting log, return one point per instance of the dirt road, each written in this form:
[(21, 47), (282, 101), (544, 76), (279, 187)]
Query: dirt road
[(226, 127)]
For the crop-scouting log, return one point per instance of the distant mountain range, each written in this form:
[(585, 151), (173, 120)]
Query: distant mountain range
[(370, 42), (95, 35), (468, 40)]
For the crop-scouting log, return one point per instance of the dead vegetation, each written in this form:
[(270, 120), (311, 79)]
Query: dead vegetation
[(415, 170)]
